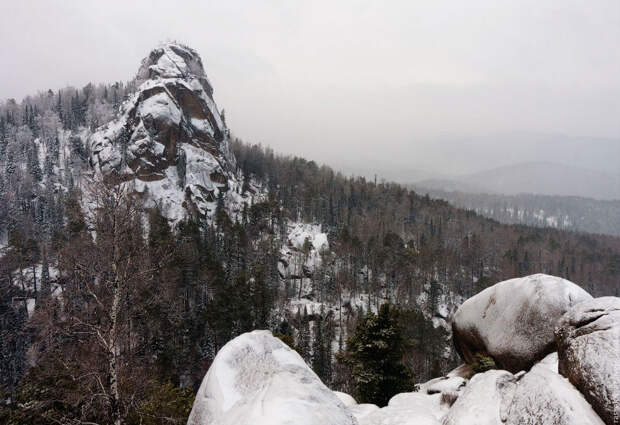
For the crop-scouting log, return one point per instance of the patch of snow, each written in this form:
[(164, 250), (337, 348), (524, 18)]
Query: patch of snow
[(360, 411), (407, 409), (30, 304), (346, 399), (160, 106), (484, 401)]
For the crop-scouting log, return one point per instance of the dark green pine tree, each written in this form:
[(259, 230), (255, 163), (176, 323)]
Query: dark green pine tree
[(303, 340), (375, 353), (319, 359)]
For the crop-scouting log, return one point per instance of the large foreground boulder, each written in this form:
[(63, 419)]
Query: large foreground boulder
[(588, 338), (256, 379), (542, 396), (513, 321)]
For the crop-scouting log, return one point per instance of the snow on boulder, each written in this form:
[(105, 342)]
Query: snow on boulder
[(407, 409), (484, 401), (360, 411), (256, 379), (588, 338), (513, 321), (345, 398), (443, 384), (542, 396)]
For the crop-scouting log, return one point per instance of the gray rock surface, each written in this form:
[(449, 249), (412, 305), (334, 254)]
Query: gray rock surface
[(542, 396), (588, 338), (513, 321), (169, 139)]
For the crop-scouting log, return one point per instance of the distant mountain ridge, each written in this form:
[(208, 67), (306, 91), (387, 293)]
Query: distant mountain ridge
[(541, 178), (560, 212)]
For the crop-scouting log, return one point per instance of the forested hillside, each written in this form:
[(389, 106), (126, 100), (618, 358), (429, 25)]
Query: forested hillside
[(560, 212), (112, 307)]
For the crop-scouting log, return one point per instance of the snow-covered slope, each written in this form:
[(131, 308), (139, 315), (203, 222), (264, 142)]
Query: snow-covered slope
[(170, 140)]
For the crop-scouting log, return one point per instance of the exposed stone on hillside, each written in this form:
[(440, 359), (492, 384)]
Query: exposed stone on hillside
[(170, 139)]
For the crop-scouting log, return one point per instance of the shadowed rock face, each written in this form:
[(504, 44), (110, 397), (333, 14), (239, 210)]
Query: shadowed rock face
[(588, 339), (513, 321), (169, 129)]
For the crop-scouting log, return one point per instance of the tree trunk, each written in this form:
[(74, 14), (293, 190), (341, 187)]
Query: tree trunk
[(114, 362)]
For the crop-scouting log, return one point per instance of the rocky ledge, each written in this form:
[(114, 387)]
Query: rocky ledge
[(556, 348)]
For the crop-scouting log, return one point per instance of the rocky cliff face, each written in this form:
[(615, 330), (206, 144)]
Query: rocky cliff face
[(170, 140)]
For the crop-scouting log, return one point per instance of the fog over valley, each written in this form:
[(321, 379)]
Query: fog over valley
[(407, 90)]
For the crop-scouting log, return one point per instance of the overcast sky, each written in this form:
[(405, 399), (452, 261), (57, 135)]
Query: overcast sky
[(443, 86)]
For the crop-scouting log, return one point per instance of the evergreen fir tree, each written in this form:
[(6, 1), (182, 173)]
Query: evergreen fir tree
[(374, 353), (319, 361), (303, 340)]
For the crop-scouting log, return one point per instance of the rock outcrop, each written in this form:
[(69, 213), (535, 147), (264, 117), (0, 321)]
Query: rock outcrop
[(542, 396), (256, 379), (485, 400), (513, 321), (588, 338), (169, 140)]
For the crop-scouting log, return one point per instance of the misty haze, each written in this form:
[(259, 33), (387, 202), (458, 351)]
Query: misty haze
[(320, 213)]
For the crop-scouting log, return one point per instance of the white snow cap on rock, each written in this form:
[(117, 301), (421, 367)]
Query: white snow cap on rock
[(345, 398), (513, 321), (256, 379), (485, 400), (407, 409)]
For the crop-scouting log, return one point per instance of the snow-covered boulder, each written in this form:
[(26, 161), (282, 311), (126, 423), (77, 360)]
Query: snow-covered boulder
[(360, 411), (443, 384), (345, 398), (542, 396), (513, 321), (589, 353), (485, 400), (256, 379), (407, 409)]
